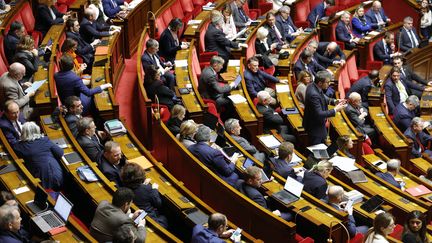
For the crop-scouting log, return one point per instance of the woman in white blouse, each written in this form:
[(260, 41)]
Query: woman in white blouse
[(229, 27), (383, 226), (426, 20)]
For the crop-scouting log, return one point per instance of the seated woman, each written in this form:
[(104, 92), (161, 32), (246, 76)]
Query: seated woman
[(27, 55), (383, 225), (154, 86), (264, 48), (415, 228), (169, 42), (41, 156), (304, 79), (344, 144), (360, 23), (188, 129), (315, 180), (68, 84), (68, 48), (48, 15), (178, 113), (229, 27), (426, 19), (147, 196)]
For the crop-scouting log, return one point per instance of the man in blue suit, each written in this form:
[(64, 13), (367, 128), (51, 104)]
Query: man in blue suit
[(285, 23), (111, 162), (318, 12), (215, 232), (213, 158), (10, 229), (316, 109), (419, 137), (405, 112), (84, 50), (408, 37), (376, 16), (393, 166), (344, 32), (364, 85), (395, 90), (329, 53), (385, 49), (114, 8), (11, 122), (90, 30), (16, 32), (307, 63)]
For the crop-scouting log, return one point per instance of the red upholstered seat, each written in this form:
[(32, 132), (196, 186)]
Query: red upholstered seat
[(314, 3), (177, 10), (160, 26), (29, 22), (397, 232), (187, 6), (250, 52), (371, 63), (252, 13), (358, 238), (199, 2), (2, 53), (300, 239), (265, 6), (164, 112), (204, 57), (3, 66), (167, 17), (302, 9)]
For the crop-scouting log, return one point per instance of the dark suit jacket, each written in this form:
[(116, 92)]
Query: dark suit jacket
[(362, 86), (272, 120), (409, 75), (252, 193), (164, 93), (316, 14), (108, 219), (260, 49), (84, 49), (352, 114), (380, 54), (424, 140), (256, 82), (167, 46), (370, 15), (238, 20), (110, 171), (21, 236), (8, 129), (215, 40), (147, 60), (404, 40), (245, 144), (173, 125), (71, 121), (30, 62), (111, 7), (342, 33), (200, 234), (351, 224), (315, 184), (92, 147), (313, 67), (9, 43), (392, 94), (284, 26), (273, 37), (44, 20), (326, 59), (214, 159), (402, 116), (209, 87), (388, 178), (316, 111), (90, 31), (284, 168)]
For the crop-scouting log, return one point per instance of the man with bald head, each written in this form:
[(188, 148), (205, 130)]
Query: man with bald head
[(11, 122), (10, 89), (329, 53), (364, 85), (376, 16), (357, 114), (215, 232), (90, 30)]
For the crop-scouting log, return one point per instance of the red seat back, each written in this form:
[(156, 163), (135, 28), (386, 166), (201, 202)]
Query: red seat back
[(196, 68), (187, 6), (314, 3), (371, 46), (177, 10), (167, 17), (160, 26), (202, 36), (352, 68), (397, 232), (302, 10), (27, 17), (250, 52), (3, 66), (2, 53)]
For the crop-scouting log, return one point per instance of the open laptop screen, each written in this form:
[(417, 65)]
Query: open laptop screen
[(293, 186), (63, 207)]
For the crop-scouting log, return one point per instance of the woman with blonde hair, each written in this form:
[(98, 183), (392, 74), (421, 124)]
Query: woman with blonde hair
[(178, 113), (304, 79), (344, 144), (383, 225), (361, 25), (315, 180), (27, 55), (188, 129)]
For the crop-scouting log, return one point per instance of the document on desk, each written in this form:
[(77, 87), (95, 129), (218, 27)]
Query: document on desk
[(142, 161), (35, 86), (295, 158), (374, 33), (133, 4), (181, 63), (317, 147), (270, 141), (194, 21), (344, 163), (234, 63), (282, 88), (237, 99)]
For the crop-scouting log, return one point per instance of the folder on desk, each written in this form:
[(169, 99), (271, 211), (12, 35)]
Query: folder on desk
[(72, 158), (418, 190), (142, 161), (101, 50), (61, 142), (270, 141), (35, 86)]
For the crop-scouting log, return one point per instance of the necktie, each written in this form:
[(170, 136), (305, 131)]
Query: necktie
[(421, 147), (242, 14), (154, 59), (378, 17), (402, 91), (114, 3), (18, 127), (412, 38), (277, 34), (403, 74)]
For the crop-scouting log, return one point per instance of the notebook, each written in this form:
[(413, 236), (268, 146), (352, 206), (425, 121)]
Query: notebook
[(357, 176), (39, 202), (372, 204), (418, 190), (237, 81), (291, 192), (72, 158), (61, 142), (197, 216), (56, 218)]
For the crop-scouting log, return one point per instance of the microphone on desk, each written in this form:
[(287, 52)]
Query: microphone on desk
[(329, 239)]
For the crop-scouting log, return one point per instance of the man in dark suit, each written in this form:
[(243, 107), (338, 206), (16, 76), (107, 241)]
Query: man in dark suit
[(11, 122), (240, 17), (316, 108), (275, 33), (250, 186), (393, 166), (10, 229), (84, 50), (419, 137), (329, 53), (90, 30), (357, 114), (408, 37), (407, 75), (405, 112), (74, 110), (306, 63), (385, 49), (16, 31), (111, 162), (272, 119), (344, 32), (285, 23), (169, 41), (114, 8), (215, 232), (47, 16), (376, 16), (110, 216), (364, 85), (213, 158), (88, 140), (395, 90), (318, 12), (150, 57)]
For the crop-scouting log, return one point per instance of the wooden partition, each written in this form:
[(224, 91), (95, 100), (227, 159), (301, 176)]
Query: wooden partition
[(421, 61), (397, 10)]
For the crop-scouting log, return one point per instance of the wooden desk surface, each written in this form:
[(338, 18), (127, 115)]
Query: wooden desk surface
[(385, 128)]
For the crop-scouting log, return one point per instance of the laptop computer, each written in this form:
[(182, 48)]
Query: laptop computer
[(56, 218), (291, 192), (325, 153), (357, 176), (372, 204), (39, 202)]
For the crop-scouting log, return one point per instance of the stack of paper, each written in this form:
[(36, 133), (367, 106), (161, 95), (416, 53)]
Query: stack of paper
[(234, 63), (194, 21), (237, 99), (35, 86), (270, 141), (344, 163), (317, 147), (282, 88), (181, 63)]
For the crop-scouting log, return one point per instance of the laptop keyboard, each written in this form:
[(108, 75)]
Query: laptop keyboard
[(285, 197), (52, 220)]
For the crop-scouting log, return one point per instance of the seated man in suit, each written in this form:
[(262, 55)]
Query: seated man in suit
[(74, 110), (408, 37), (396, 91), (344, 32), (241, 19), (283, 164), (329, 53), (364, 85), (115, 8), (272, 119), (111, 162), (90, 30), (16, 32), (88, 139), (275, 33), (407, 75), (232, 126), (256, 80), (393, 167), (318, 12), (405, 112), (10, 227), (419, 137), (11, 122), (357, 114), (150, 57), (376, 16), (385, 49), (250, 187), (306, 63), (85, 50), (10, 89), (110, 216), (213, 158), (335, 197), (285, 23), (215, 40), (215, 231)]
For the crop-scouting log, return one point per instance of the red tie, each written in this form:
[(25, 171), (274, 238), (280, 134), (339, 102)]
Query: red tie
[(420, 144)]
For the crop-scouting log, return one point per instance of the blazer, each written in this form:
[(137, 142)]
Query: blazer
[(215, 40), (111, 7), (168, 46), (272, 120), (313, 67), (214, 159), (209, 86), (424, 140), (284, 168), (370, 15), (287, 26), (353, 115), (404, 40), (165, 94), (9, 130), (111, 172), (71, 121), (261, 49), (91, 146), (237, 13), (316, 14), (382, 51), (402, 116), (245, 144), (30, 62), (149, 200), (342, 33), (11, 90), (108, 219), (362, 87), (42, 160), (256, 82), (200, 234), (84, 49), (21, 236), (408, 75), (351, 224), (9, 45), (252, 193), (91, 31), (326, 59), (147, 60), (392, 94), (44, 19), (173, 125), (361, 26), (388, 178), (316, 111), (315, 184), (272, 35)]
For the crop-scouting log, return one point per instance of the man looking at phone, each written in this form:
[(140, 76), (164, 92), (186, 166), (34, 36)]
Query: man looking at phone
[(216, 231)]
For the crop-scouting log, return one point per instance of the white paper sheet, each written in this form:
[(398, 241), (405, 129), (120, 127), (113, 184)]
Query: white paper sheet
[(237, 99)]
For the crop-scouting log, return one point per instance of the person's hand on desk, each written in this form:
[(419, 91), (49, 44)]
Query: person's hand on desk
[(244, 45), (155, 186), (125, 6), (428, 89), (227, 234), (232, 85), (273, 46), (184, 46), (277, 213), (7, 8), (112, 32), (106, 86), (95, 42)]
